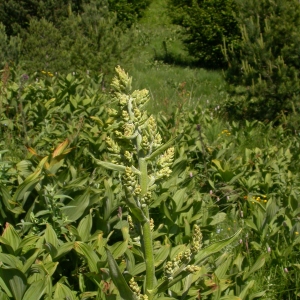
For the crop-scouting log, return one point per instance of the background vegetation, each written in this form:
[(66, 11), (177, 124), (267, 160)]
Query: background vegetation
[(69, 229)]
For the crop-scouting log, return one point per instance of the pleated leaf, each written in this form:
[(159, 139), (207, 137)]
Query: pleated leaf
[(125, 292), (216, 247), (14, 281), (11, 235), (36, 290), (87, 252)]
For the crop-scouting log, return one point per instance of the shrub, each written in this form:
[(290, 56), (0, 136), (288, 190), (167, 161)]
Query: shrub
[(263, 67), (206, 23)]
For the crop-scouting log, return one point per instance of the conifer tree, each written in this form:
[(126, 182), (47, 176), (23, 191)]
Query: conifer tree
[(10, 48), (263, 67), (206, 23)]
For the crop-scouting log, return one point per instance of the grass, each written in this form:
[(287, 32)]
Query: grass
[(161, 65)]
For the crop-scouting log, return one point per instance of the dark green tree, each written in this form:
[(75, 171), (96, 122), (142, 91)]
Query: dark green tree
[(128, 11), (263, 67), (10, 48), (95, 41), (16, 14), (206, 23), (44, 48)]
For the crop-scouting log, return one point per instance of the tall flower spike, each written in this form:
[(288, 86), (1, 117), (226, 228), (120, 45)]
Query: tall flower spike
[(196, 239), (122, 82)]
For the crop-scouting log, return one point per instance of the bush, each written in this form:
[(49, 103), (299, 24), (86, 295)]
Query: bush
[(128, 11), (263, 67), (206, 23), (9, 47)]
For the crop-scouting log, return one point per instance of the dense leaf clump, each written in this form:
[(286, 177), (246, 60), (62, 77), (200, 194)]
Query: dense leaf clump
[(56, 36), (95, 203), (206, 23), (263, 66)]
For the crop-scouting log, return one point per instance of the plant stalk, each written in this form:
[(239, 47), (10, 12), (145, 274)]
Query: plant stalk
[(147, 235)]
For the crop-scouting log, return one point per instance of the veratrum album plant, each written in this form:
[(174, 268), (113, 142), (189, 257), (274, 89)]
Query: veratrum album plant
[(137, 152)]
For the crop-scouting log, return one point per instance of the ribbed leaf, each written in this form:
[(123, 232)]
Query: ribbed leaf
[(118, 249), (87, 252), (258, 264), (50, 236), (50, 267), (163, 147), (11, 235), (138, 269), (10, 261), (15, 281), (161, 255), (62, 250), (246, 289), (27, 185), (6, 198), (61, 291), (215, 247), (84, 227), (76, 208), (125, 292), (3, 296), (31, 260), (27, 241), (60, 148), (36, 290)]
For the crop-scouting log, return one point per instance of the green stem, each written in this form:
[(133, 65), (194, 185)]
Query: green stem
[(147, 235)]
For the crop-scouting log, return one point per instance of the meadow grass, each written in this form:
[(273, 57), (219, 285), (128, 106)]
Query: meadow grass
[(161, 65)]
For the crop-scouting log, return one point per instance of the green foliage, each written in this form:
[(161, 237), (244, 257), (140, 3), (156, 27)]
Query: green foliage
[(16, 15), (93, 205), (91, 41), (206, 23), (128, 11), (10, 48), (263, 66)]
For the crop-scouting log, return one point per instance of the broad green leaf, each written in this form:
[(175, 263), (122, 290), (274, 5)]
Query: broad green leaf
[(50, 236), (36, 290), (218, 218), (3, 296), (27, 185), (11, 235), (257, 265), (6, 197), (125, 292), (161, 255), (62, 250), (223, 269), (10, 261), (90, 256), (50, 267), (110, 166), (163, 147), (84, 227), (257, 295), (138, 269), (246, 289), (7, 245), (76, 207), (28, 241), (238, 261), (215, 247), (180, 198), (15, 281), (61, 291), (31, 260), (135, 209), (118, 249)]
